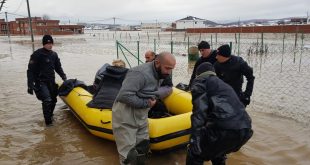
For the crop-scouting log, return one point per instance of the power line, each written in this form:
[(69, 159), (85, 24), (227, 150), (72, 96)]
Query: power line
[(17, 14), (20, 4)]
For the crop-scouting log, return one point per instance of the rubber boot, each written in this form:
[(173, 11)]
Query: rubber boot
[(138, 155), (47, 111), (52, 110), (219, 160), (192, 160)]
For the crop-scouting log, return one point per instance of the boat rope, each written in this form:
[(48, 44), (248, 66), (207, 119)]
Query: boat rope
[(79, 94), (84, 95), (105, 122)]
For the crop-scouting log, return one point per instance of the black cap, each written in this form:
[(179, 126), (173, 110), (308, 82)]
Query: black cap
[(203, 45), (203, 67), (47, 39), (224, 51)]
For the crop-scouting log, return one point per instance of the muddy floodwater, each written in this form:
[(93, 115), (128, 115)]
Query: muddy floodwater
[(24, 139)]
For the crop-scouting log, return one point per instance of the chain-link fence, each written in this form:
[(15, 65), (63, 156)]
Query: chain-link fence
[(281, 63)]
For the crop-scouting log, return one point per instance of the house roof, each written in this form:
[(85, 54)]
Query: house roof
[(191, 18)]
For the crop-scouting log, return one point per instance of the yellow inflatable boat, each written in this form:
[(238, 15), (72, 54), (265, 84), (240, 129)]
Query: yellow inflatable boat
[(165, 133)]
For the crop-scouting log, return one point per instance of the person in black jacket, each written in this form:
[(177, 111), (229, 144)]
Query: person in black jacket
[(207, 55), (231, 70), (220, 124), (109, 86), (41, 77)]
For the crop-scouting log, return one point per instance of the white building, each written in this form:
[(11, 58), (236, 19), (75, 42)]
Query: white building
[(190, 22), (160, 26)]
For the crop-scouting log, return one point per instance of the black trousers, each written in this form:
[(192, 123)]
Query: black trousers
[(47, 92), (216, 143), (158, 110)]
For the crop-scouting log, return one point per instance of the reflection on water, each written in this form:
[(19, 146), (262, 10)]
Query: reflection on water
[(24, 139)]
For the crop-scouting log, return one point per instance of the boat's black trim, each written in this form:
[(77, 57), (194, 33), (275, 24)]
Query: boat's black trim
[(104, 130), (170, 136), (174, 148), (109, 131)]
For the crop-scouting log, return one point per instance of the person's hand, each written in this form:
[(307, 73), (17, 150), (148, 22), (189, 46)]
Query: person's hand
[(246, 99), (152, 102), (194, 144), (64, 78), (30, 90)]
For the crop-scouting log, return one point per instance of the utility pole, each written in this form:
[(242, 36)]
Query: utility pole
[(114, 24), (7, 27), (307, 22), (30, 24), (3, 1)]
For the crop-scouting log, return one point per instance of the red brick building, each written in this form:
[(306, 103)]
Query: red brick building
[(39, 26)]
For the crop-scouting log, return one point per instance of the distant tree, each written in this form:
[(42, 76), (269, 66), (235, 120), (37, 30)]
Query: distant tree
[(45, 17)]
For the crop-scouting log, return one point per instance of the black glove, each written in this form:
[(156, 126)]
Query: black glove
[(246, 99), (64, 77), (30, 90), (194, 143)]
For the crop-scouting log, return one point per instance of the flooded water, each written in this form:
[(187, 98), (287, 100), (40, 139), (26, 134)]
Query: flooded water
[(24, 139)]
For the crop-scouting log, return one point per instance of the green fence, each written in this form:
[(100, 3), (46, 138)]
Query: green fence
[(281, 63)]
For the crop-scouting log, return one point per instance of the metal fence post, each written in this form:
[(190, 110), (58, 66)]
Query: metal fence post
[(283, 43), (211, 42), (295, 46), (171, 47), (188, 45), (301, 49), (262, 46), (215, 39), (138, 52), (117, 49), (154, 45), (239, 44)]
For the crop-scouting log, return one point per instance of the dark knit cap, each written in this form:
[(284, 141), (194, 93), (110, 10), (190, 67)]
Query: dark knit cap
[(47, 39), (224, 51), (203, 67), (203, 45)]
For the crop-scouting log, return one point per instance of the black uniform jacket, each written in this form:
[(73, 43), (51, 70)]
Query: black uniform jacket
[(109, 87), (42, 66), (232, 72), (216, 105), (210, 59)]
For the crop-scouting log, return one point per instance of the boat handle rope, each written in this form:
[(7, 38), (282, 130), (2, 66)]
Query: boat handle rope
[(105, 122), (84, 95), (81, 94)]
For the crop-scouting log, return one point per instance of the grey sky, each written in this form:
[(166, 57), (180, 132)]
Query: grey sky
[(135, 11)]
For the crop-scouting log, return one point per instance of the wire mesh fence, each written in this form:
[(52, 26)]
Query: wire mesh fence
[(280, 61)]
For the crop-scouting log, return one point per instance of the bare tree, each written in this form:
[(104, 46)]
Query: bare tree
[(46, 17)]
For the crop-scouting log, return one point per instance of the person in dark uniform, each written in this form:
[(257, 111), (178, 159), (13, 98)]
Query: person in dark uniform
[(207, 55), (220, 124), (41, 77), (231, 70)]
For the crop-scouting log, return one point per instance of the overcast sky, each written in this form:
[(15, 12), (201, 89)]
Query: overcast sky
[(137, 11)]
